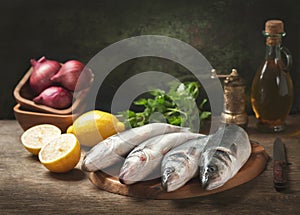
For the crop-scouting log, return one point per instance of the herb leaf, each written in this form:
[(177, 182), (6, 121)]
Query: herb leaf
[(177, 107)]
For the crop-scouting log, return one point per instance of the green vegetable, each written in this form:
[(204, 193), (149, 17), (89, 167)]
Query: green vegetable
[(177, 107)]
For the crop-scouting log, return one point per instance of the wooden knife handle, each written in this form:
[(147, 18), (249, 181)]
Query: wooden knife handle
[(280, 174)]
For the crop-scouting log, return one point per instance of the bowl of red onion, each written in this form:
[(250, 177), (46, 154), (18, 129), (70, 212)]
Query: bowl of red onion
[(53, 87), (27, 118)]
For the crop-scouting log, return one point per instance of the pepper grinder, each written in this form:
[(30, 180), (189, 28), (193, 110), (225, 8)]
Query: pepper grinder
[(234, 99)]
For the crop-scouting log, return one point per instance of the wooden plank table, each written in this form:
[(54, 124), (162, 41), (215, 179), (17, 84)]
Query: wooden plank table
[(26, 187)]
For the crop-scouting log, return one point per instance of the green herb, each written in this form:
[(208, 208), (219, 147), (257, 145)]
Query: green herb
[(177, 107)]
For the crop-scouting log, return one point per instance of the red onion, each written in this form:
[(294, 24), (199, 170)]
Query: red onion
[(43, 70), (55, 97), (69, 73)]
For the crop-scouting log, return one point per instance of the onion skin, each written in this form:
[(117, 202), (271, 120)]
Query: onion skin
[(55, 97), (73, 75), (43, 70)]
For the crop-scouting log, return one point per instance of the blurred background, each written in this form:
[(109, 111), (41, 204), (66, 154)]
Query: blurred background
[(227, 32)]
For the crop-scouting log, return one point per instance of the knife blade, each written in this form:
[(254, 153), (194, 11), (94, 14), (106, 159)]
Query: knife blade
[(279, 165)]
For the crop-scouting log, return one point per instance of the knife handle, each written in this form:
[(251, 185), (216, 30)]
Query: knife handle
[(280, 174)]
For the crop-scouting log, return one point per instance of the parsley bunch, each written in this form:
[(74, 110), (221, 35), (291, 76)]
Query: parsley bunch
[(177, 107)]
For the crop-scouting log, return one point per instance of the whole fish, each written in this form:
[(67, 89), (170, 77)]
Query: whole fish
[(114, 148), (143, 162), (181, 164), (225, 153)]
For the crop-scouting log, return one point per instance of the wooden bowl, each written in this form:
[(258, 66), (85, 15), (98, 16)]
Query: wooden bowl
[(24, 95), (28, 119)]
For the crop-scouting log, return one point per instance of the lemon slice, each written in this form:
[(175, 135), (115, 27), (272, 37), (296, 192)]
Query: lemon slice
[(61, 154), (34, 138)]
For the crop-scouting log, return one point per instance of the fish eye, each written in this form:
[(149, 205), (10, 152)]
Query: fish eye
[(212, 168)]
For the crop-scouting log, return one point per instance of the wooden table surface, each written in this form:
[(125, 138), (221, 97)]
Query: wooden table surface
[(27, 187)]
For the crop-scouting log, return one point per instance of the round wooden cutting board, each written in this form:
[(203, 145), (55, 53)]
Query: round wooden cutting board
[(152, 189)]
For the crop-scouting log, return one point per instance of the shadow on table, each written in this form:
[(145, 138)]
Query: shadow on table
[(220, 200), (73, 175)]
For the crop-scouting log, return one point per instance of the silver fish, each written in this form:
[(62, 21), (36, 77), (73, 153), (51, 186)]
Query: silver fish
[(181, 164), (225, 153), (143, 162), (113, 149)]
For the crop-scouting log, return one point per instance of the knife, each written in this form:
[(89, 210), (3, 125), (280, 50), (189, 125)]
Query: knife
[(280, 165)]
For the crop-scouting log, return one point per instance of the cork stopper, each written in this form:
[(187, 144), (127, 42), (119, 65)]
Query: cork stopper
[(274, 27), (274, 32)]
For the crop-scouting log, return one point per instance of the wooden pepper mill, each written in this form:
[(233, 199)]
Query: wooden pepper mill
[(234, 99)]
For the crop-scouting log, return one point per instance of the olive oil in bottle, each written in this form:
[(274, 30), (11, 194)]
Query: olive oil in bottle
[(272, 87)]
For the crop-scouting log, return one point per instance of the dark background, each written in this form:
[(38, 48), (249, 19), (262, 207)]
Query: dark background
[(226, 32)]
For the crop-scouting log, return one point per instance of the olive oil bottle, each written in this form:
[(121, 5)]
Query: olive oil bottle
[(272, 86)]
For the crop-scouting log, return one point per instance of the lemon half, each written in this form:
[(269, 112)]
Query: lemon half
[(34, 138), (61, 154)]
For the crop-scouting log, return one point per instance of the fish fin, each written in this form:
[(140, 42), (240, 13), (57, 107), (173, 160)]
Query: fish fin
[(233, 148), (186, 129)]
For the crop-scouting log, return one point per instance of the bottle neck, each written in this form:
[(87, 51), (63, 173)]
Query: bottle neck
[(273, 48)]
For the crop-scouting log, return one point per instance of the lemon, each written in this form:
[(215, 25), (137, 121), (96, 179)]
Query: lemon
[(61, 154), (34, 138), (94, 126)]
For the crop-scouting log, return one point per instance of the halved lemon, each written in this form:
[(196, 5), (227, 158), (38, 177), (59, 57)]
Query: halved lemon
[(34, 138), (61, 154)]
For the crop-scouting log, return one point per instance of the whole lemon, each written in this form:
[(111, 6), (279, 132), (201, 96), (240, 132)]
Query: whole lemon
[(94, 126)]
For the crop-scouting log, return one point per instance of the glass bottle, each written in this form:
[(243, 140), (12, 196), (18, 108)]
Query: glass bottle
[(272, 86)]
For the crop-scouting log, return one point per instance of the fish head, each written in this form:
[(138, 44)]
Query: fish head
[(93, 162), (130, 171), (214, 169), (174, 173)]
